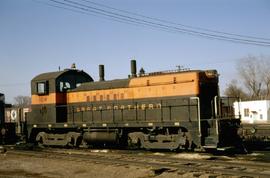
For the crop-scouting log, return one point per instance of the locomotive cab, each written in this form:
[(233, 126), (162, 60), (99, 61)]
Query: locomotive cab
[(49, 92)]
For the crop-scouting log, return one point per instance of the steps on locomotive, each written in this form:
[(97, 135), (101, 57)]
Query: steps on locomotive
[(212, 140)]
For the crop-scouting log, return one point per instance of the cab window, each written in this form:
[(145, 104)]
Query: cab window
[(64, 86), (78, 84), (42, 88)]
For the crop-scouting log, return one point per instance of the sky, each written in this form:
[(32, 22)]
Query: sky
[(37, 38)]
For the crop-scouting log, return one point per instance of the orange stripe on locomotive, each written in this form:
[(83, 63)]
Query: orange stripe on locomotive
[(180, 84), (175, 84)]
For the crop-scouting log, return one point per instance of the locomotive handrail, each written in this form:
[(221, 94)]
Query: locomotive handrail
[(199, 113), (216, 112), (164, 72), (215, 106)]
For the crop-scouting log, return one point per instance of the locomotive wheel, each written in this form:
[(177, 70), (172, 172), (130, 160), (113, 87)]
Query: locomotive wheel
[(134, 145), (40, 142), (189, 143), (40, 139), (79, 141), (73, 139), (71, 143)]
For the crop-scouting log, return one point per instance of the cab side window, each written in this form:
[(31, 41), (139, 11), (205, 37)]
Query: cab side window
[(42, 88)]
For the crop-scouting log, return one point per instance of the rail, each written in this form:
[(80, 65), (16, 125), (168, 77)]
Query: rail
[(209, 164)]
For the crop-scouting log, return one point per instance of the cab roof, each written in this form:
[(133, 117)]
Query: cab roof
[(55, 75)]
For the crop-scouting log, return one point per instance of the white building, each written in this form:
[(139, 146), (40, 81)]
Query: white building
[(253, 111)]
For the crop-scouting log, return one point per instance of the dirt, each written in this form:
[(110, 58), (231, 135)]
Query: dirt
[(22, 166), (12, 166)]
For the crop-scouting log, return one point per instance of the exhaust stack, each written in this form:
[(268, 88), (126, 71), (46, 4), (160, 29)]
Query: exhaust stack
[(101, 72), (133, 68)]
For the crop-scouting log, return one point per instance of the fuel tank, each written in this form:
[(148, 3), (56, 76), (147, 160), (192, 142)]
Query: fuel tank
[(101, 136)]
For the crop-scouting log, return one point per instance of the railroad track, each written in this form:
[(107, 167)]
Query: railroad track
[(155, 162)]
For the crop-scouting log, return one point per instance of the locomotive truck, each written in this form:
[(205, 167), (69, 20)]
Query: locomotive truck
[(161, 110)]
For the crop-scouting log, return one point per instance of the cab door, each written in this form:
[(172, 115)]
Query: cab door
[(61, 102)]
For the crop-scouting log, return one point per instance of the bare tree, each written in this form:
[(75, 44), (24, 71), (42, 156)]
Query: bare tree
[(249, 71), (266, 78), (254, 72), (22, 101), (233, 90)]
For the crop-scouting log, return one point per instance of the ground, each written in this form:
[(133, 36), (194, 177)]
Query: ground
[(12, 166), (21, 166)]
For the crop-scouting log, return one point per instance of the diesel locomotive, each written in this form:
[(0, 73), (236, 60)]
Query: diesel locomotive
[(7, 129), (161, 110)]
